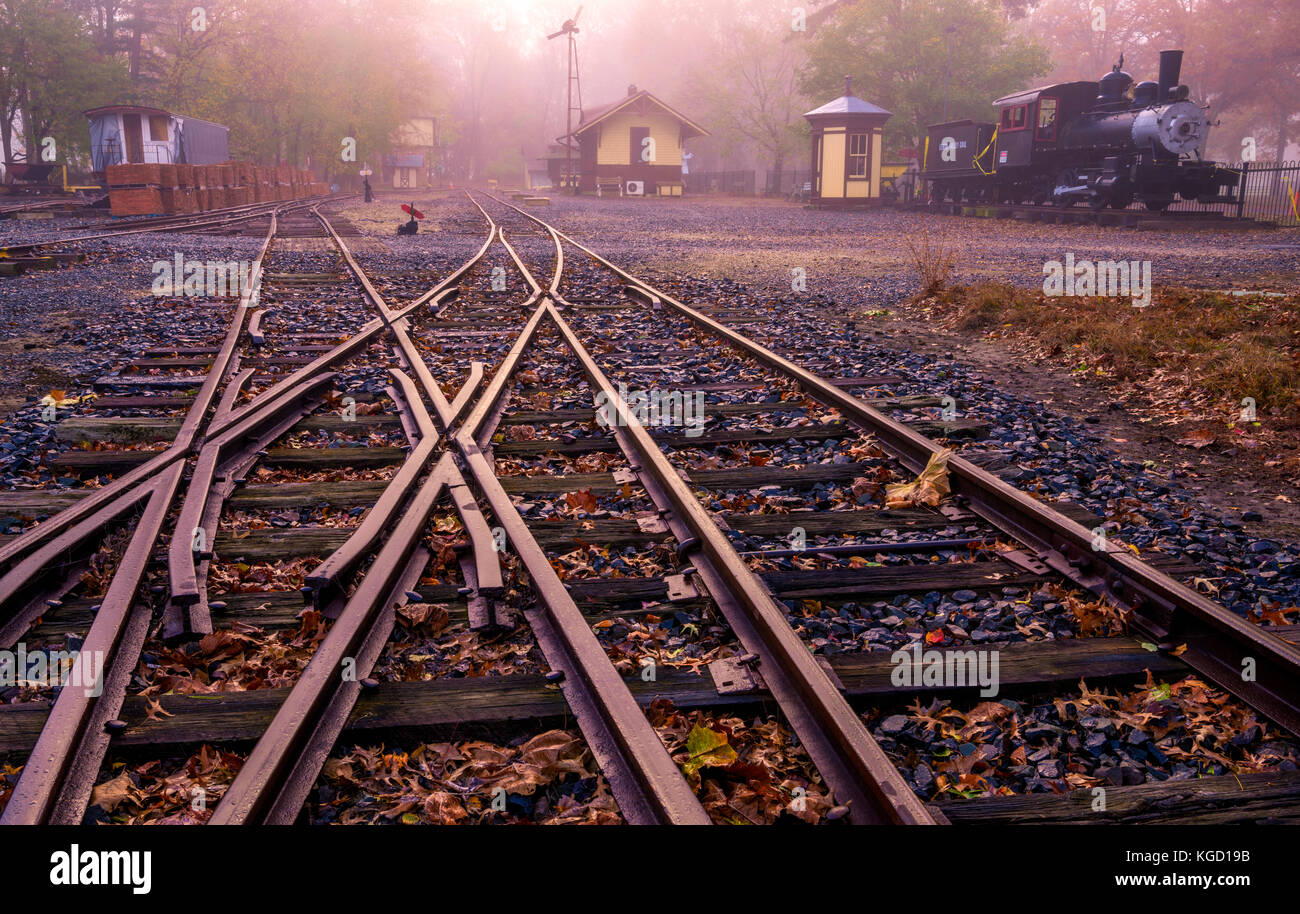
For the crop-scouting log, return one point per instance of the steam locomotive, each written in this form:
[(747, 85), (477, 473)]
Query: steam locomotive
[(1105, 143)]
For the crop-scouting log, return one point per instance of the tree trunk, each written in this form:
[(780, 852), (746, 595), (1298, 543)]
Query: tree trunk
[(6, 139)]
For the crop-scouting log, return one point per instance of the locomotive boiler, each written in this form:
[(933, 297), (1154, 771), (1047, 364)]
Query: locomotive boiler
[(1105, 143)]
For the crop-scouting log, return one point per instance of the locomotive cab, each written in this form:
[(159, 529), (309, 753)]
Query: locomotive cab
[(1029, 123)]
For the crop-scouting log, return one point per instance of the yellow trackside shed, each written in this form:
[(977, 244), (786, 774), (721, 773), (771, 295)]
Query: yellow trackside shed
[(638, 139), (847, 149)]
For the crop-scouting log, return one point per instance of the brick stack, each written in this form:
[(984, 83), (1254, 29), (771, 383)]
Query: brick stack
[(153, 190), (199, 186), (134, 190), (224, 196), (175, 195)]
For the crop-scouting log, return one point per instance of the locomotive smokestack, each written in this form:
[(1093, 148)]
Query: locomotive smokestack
[(1171, 67)]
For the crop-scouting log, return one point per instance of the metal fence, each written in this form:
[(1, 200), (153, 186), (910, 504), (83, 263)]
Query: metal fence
[(720, 182), (746, 183), (1269, 191)]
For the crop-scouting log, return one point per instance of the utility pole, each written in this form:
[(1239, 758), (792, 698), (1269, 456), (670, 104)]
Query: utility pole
[(947, 71)]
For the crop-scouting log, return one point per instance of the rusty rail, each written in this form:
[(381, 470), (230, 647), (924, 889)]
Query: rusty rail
[(647, 784), (1219, 644)]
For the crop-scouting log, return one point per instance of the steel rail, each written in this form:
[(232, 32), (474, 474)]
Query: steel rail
[(465, 396), (176, 619), (65, 533), (61, 770), (62, 766), (486, 557), (55, 784), (52, 556), (189, 429), (649, 787), (51, 528), (278, 775), (646, 783), (181, 224), (853, 765), (1219, 644), (323, 583), (279, 751), (210, 476)]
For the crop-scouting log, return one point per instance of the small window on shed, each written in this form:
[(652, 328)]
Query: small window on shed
[(857, 155), (158, 128), (1013, 118)]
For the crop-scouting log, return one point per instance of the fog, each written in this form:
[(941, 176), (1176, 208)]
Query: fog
[(293, 80)]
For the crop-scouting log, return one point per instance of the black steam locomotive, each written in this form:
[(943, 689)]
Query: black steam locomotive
[(1104, 143)]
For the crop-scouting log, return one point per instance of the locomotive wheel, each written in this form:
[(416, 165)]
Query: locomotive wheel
[(1157, 206), (1121, 199)]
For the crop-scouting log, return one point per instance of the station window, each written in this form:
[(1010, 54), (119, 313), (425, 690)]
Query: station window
[(1013, 118), (857, 155), (1046, 119), (158, 127)]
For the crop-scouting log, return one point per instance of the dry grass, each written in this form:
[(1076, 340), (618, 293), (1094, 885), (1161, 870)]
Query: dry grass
[(1227, 346), (932, 258)]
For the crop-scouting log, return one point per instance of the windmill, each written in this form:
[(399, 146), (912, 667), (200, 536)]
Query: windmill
[(570, 28)]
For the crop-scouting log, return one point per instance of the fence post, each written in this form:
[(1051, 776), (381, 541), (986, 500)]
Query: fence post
[(1241, 188)]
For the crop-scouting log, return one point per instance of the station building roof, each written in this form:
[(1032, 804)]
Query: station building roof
[(593, 116)]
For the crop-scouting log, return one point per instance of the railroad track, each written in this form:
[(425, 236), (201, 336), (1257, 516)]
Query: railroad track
[(37, 254), (624, 494)]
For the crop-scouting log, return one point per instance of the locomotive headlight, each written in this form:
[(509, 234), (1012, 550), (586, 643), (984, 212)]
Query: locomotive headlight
[(1178, 127)]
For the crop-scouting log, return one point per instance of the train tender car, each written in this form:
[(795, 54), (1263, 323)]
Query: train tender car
[(1105, 143), (136, 134)]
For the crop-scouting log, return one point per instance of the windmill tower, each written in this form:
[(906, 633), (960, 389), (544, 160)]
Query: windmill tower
[(570, 28)]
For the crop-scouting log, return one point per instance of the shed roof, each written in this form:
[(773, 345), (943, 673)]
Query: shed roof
[(846, 105), (125, 109), (147, 110), (593, 116)]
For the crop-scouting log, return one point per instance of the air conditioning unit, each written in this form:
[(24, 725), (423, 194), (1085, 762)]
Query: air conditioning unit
[(634, 188)]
